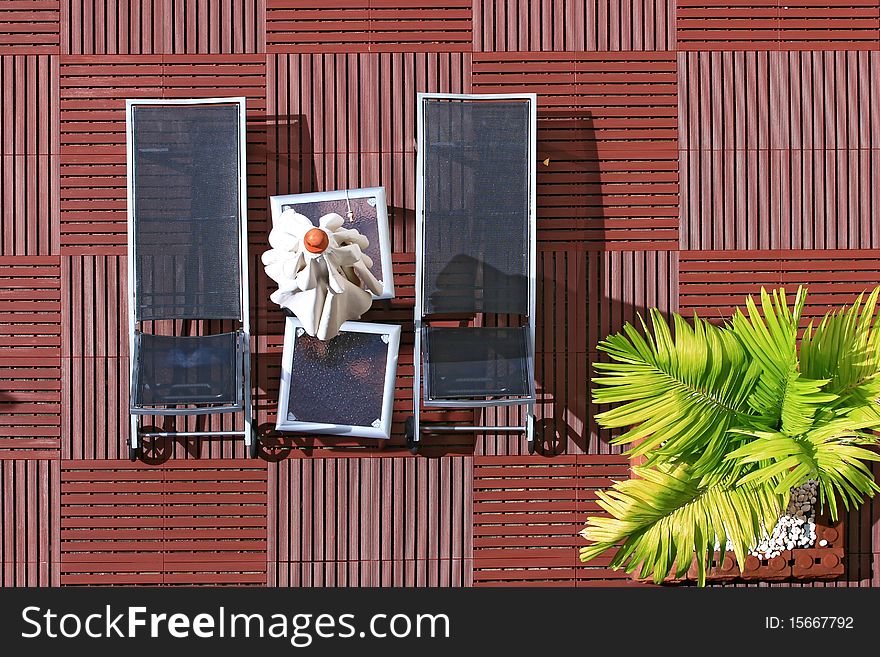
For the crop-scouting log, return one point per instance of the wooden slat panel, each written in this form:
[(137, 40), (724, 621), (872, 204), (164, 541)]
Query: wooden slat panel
[(424, 572), (775, 25), (29, 522), (93, 94), (764, 24), (713, 283), (591, 200), (725, 100), (186, 533), (832, 24), (95, 27), (30, 307), (631, 97), (30, 350), (29, 154), (142, 27), (215, 26), (817, 100), (30, 404), (789, 100), (369, 26), (827, 199), (394, 516), (95, 321), (779, 150), (29, 27), (29, 201), (28, 104), (726, 201), (727, 24), (513, 544), (94, 408), (607, 139), (293, 25), (574, 25)]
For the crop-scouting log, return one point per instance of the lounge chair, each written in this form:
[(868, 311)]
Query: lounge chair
[(475, 258), (187, 260)]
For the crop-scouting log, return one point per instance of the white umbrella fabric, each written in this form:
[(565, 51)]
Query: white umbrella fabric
[(323, 275)]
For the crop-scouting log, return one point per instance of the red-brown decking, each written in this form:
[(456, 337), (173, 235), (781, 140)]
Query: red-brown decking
[(778, 25), (694, 151), (524, 507), (187, 522)]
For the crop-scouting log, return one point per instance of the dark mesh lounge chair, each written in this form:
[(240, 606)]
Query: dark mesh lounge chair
[(475, 257), (187, 247)]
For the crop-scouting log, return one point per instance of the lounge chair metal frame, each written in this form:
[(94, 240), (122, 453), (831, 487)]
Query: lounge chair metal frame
[(414, 426), (243, 402)]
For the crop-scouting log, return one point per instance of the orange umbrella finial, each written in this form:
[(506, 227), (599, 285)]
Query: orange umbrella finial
[(316, 240)]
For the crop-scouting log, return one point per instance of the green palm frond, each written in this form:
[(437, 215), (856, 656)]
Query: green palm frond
[(771, 341), (831, 453), (783, 462), (665, 519), (844, 348), (679, 394), (802, 399)]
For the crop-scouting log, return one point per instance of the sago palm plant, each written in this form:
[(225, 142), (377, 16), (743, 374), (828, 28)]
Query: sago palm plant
[(727, 420)]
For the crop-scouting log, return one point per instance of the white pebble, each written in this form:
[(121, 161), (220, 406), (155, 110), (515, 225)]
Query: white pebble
[(795, 528)]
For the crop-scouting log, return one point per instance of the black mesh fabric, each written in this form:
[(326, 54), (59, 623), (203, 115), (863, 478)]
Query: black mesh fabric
[(476, 202), (340, 381), (188, 370), (472, 362), (187, 211)]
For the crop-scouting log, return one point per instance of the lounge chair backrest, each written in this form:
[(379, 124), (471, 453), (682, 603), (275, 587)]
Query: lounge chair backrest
[(187, 260), (477, 208), (187, 165)]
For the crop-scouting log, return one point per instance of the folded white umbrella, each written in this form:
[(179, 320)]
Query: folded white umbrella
[(322, 273)]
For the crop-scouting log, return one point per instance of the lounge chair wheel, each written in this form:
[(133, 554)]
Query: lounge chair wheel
[(254, 447), (409, 432), (134, 453)]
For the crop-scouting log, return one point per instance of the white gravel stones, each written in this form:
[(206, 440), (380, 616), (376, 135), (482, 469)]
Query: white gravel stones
[(796, 528)]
